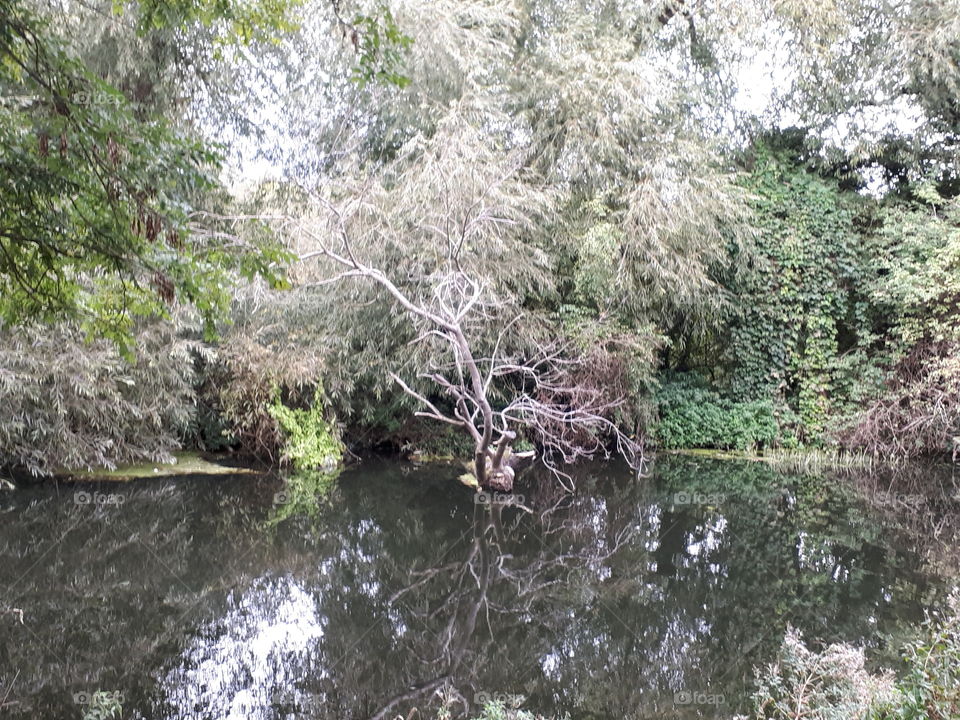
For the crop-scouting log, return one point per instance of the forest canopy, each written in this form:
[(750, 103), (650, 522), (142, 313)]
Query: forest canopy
[(720, 224)]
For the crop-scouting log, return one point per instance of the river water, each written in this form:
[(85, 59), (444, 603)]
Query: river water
[(393, 587)]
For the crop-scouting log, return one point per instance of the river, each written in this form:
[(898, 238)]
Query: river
[(393, 587)]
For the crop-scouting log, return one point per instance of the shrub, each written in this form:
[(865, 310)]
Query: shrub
[(694, 416), (829, 685), (919, 411), (240, 385), (930, 689), (918, 286), (310, 441), (834, 685), (68, 403)]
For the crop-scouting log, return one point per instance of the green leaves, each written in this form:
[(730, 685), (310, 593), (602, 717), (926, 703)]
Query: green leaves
[(380, 45), (237, 22), (311, 442), (98, 205), (801, 305), (692, 416)]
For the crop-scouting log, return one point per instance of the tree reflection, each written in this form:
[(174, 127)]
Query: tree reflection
[(627, 599)]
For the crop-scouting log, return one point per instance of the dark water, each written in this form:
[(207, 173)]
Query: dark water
[(233, 597)]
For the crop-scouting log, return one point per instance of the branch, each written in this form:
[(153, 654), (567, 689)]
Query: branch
[(433, 411)]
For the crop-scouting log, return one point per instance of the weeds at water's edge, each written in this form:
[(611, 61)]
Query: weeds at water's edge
[(819, 460), (811, 460)]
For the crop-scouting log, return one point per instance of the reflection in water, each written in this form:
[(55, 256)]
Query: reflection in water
[(625, 600), (264, 639)]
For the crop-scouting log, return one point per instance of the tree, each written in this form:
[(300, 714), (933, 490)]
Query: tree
[(620, 207), (99, 222), (567, 419)]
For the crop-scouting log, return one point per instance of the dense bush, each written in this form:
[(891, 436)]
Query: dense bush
[(69, 403), (240, 385), (930, 687), (801, 321), (918, 288), (693, 416), (310, 440), (829, 685)]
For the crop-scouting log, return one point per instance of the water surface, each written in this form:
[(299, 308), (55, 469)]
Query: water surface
[(235, 597)]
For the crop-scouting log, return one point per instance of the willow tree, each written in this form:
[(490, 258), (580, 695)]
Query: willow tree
[(443, 235), (610, 184)]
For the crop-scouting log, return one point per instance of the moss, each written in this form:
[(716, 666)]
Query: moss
[(186, 463)]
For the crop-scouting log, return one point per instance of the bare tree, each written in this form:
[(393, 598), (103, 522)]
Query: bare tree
[(567, 420)]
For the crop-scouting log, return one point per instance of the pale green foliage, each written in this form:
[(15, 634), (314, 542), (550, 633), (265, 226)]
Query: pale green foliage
[(526, 130), (930, 687), (67, 403), (918, 289), (454, 197), (589, 98), (604, 122), (858, 69), (500, 711), (683, 218), (833, 684), (455, 194), (829, 685), (921, 268), (596, 274), (310, 441), (462, 47)]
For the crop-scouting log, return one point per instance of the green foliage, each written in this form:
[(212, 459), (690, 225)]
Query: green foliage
[(380, 44), (917, 288), (595, 271), (833, 684), (574, 156), (68, 403), (97, 204), (930, 688), (801, 319), (310, 440), (918, 268), (829, 685), (693, 416), (237, 21)]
